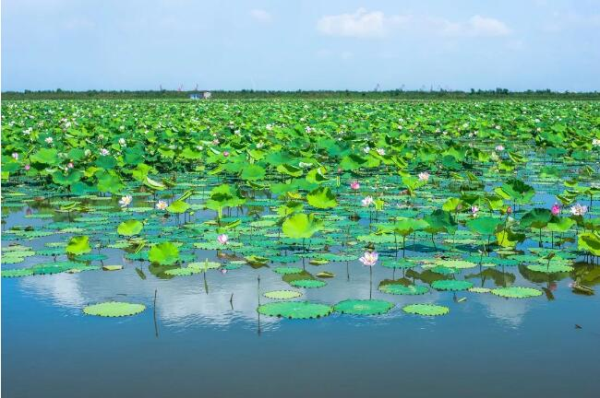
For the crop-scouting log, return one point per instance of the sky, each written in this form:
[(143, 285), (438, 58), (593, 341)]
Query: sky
[(300, 44)]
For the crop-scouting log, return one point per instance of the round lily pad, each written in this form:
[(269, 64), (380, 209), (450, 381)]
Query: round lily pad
[(112, 267), (426, 309), (295, 309), (451, 285), (114, 309), (16, 273), (308, 283), (363, 307), (480, 290), (410, 290), (517, 292), (287, 270), (283, 294)]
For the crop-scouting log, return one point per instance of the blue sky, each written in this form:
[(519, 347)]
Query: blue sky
[(293, 44)]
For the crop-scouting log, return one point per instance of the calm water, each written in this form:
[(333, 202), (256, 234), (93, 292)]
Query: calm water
[(194, 343)]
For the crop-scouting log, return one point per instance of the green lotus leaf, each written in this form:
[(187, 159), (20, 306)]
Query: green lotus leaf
[(114, 309), (165, 253), (282, 294), (363, 307), (426, 309), (322, 198), (130, 228), (79, 245), (295, 310), (517, 292), (301, 226), (308, 283)]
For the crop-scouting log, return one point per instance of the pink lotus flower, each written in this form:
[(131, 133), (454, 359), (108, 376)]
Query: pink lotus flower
[(369, 259), (223, 271), (474, 210), (15, 156), (70, 165), (555, 209), (424, 176), (509, 210), (355, 185), (27, 167), (225, 153), (223, 239)]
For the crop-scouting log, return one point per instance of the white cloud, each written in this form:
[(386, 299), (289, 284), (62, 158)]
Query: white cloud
[(361, 24), (482, 26), (261, 15), (375, 24)]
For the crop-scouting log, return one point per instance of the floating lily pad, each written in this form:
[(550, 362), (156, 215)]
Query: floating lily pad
[(517, 292), (283, 294), (16, 273), (112, 267), (114, 309), (426, 309), (295, 310), (363, 307), (308, 283)]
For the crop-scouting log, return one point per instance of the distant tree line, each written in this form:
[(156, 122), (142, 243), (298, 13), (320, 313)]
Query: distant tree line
[(397, 94)]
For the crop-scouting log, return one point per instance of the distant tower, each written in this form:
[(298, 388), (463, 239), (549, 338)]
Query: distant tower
[(376, 87)]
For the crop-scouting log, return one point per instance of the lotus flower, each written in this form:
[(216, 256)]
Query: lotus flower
[(161, 205), (27, 167), (596, 142), (225, 153), (380, 151), (15, 156), (104, 152), (223, 239), (49, 140), (125, 201), (368, 201), (355, 185), (555, 209), (369, 259), (424, 176), (500, 148), (122, 142), (579, 210), (474, 210)]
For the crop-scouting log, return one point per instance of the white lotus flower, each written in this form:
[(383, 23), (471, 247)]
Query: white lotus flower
[(161, 205), (125, 201), (578, 210), (424, 176)]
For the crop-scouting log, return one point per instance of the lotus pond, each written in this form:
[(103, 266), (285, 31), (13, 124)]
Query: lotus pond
[(300, 248)]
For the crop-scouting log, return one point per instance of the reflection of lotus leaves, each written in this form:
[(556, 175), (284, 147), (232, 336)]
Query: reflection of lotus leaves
[(551, 269), (517, 292), (458, 264), (114, 309), (426, 309), (308, 283), (396, 288), (295, 310), (451, 285), (363, 307)]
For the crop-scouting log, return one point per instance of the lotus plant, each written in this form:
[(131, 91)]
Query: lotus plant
[(369, 259)]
